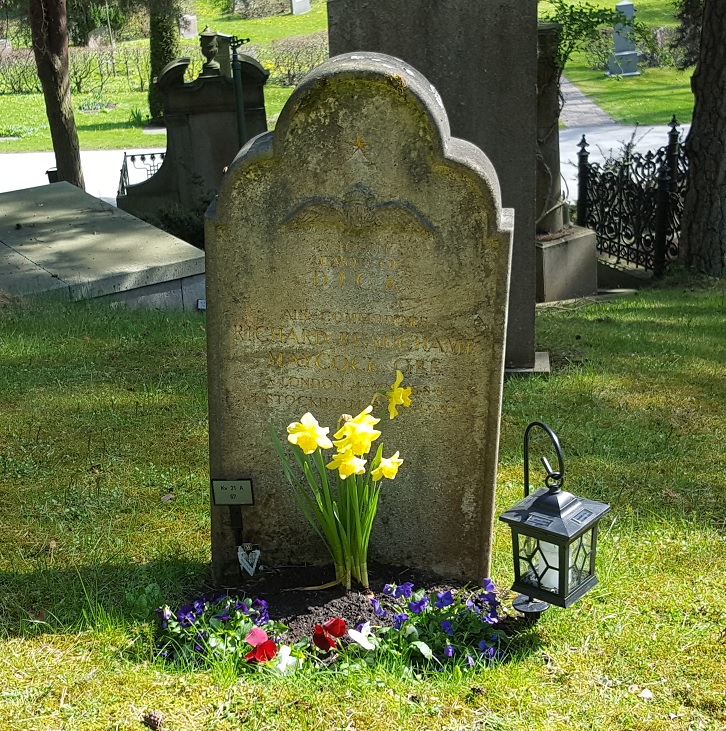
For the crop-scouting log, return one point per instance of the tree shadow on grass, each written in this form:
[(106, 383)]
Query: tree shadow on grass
[(65, 599)]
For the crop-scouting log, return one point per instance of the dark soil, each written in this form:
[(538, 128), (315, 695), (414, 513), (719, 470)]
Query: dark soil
[(289, 602)]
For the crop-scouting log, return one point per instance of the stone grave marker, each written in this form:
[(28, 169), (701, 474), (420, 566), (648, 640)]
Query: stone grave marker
[(188, 27), (359, 239), (298, 7), (624, 60)]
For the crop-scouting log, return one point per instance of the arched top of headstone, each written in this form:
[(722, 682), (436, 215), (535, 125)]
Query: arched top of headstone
[(173, 73), (395, 119)]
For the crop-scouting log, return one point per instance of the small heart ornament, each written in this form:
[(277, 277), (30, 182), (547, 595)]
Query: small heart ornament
[(248, 558)]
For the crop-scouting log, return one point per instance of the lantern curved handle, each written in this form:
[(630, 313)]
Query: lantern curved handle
[(554, 479)]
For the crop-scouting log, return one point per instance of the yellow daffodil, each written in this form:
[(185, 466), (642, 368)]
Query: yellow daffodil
[(308, 434), (388, 468), (398, 396), (347, 464), (351, 422), (357, 438)]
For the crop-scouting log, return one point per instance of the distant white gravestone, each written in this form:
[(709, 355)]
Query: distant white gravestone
[(298, 7), (356, 240)]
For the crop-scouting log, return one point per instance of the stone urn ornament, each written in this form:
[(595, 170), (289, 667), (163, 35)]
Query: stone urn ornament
[(210, 48)]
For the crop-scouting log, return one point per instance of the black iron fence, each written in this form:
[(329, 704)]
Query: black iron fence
[(634, 203), (149, 162)]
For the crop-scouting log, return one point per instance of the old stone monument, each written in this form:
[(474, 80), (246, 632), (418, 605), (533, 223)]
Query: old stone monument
[(359, 239), (202, 133), (482, 58), (624, 61), (298, 7)]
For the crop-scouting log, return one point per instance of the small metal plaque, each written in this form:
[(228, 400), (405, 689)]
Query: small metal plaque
[(201, 304), (232, 492), (539, 520)]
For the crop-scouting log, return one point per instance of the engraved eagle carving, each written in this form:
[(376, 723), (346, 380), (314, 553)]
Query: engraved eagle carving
[(357, 211)]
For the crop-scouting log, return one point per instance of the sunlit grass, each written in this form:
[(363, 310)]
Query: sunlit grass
[(104, 414)]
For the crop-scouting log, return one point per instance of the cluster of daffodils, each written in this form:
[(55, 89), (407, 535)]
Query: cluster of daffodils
[(353, 440), (343, 513)]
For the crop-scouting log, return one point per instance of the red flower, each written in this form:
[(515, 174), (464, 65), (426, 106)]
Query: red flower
[(335, 627), (263, 652), (263, 649), (324, 635)]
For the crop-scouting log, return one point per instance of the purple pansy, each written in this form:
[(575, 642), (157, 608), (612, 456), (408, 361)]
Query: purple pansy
[(399, 619), (377, 608), (449, 651), (443, 599), (446, 626), (404, 590), (186, 616), (164, 614), (418, 606), (263, 616)]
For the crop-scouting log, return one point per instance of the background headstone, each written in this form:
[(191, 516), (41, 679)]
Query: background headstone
[(188, 26), (298, 7), (482, 58), (357, 239), (624, 61)]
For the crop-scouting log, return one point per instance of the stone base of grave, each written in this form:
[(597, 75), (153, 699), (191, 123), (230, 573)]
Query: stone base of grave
[(57, 240), (567, 266), (541, 366)]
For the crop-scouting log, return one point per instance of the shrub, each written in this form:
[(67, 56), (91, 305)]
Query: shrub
[(18, 72), (249, 9), (291, 58)]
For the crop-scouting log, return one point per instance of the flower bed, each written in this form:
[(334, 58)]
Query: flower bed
[(444, 625)]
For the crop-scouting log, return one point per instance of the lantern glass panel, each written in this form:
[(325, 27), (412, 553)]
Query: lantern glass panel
[(539, 563), (580, 560)]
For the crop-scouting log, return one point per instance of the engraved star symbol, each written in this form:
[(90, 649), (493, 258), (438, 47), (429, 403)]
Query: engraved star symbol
[(360, 145)]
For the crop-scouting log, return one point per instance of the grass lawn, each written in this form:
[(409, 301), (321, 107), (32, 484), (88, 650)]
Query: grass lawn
[(262, 31), (103, 414), (651, 98), (651, 12)]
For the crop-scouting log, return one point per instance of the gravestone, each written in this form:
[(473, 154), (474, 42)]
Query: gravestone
[(482, 57), (359, 239), (298, 7), (202, 137), (188, 27), (624, 60)]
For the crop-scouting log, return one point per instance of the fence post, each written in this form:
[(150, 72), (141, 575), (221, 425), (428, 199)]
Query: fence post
[(673, 154), (662, 211), (583, 175)]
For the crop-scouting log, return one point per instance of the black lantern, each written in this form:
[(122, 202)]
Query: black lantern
[(554, 538)]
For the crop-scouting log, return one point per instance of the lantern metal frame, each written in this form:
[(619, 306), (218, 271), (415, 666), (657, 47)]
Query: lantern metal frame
[(552, 529)]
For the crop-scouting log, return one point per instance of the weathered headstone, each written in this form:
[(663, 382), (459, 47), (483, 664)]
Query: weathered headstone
[(481, 55), (298, 7), (188, 27), (624, 60), (359, 239), (202, 138)]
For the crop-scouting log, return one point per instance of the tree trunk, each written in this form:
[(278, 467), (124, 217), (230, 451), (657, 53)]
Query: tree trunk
[(163, 45), (49, 29), (703, 229)]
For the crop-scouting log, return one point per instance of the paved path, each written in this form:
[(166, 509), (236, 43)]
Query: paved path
[(102, 168), (579, 110)]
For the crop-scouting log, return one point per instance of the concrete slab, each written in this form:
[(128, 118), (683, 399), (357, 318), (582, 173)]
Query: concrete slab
[(58, 239)]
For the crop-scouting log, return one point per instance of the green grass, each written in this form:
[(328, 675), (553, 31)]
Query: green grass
[(261, 31), (651, 12), (651, 98), (108, 129), (103, 413)]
